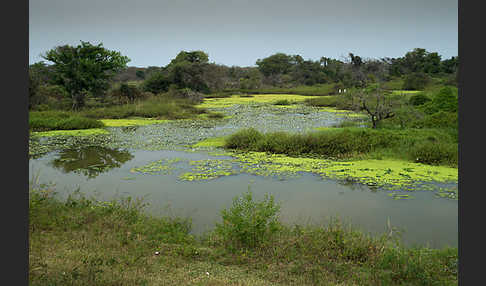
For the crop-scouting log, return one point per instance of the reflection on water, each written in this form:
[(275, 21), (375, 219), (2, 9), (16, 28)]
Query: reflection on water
[(90, 161), (424, 218)]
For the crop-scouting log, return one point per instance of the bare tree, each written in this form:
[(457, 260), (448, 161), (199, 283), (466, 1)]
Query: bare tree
[(374, 101)]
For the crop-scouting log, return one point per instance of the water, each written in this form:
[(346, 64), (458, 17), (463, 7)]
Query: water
[(425, 219), (104, 167)]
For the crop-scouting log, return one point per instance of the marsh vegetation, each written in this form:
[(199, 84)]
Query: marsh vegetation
[(388, 127)]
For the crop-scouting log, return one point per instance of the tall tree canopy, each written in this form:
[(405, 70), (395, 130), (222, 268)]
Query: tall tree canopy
[(278, 63), (187, 70), (84, 69)]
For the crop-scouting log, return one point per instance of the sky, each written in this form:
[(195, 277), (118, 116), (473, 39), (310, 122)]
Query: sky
[(231, 32)]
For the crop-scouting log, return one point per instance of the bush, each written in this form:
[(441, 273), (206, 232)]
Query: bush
[(243, 139), (439, 119), (191, 96), (156, 83), (418, 99), (127, 93), (249, 224), (161, 106), (415, 81), (352, 142), (435, 153), (56, 120)]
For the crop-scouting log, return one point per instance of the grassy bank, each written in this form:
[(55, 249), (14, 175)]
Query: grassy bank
[(429, 146), (84, 241), (60, 120), (160, 107)]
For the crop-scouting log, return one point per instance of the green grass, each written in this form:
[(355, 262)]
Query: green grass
[(60, 120), (85, 241), (161, 107), (429, 146)]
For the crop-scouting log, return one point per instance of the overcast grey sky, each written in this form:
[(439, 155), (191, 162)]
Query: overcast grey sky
[(152, 32)]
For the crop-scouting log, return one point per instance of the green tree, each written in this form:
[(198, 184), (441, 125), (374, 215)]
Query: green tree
[(276, 64), (187, 70), (140, 74), (84, 69), (192, 57), (157, 82), (127, 92), (450, 65), (415, 81), (34, 83)]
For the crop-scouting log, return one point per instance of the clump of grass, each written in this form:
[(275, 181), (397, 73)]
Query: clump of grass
[(60, 120), (244, 139), (332, 143), (435, 153), (354, 142), (163, 107)]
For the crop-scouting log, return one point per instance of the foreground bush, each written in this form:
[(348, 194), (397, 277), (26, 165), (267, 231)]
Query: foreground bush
[(248, 224)]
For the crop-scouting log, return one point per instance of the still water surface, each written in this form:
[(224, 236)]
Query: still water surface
[(424, 219)]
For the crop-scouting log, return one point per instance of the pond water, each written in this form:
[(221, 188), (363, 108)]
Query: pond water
[(154, 161)]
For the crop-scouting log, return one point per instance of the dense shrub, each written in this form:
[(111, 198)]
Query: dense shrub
[(161, 106), (444, 100), (435, 153), (127, 92), (418, 99), (415, 81), (439, 119), (349, 142), (244, 139), (337, 143), (191, 96), (248, 223), (157, 82)]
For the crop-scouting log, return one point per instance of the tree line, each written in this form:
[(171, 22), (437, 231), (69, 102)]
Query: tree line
[(76, 72)]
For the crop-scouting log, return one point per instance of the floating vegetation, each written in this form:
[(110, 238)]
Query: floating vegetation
[(400, 196), (449, 193), (162, 166), (206, 133), (132, 122), (208, 169), (211, 142), (388, 174), (255, 99), (80, 132)]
